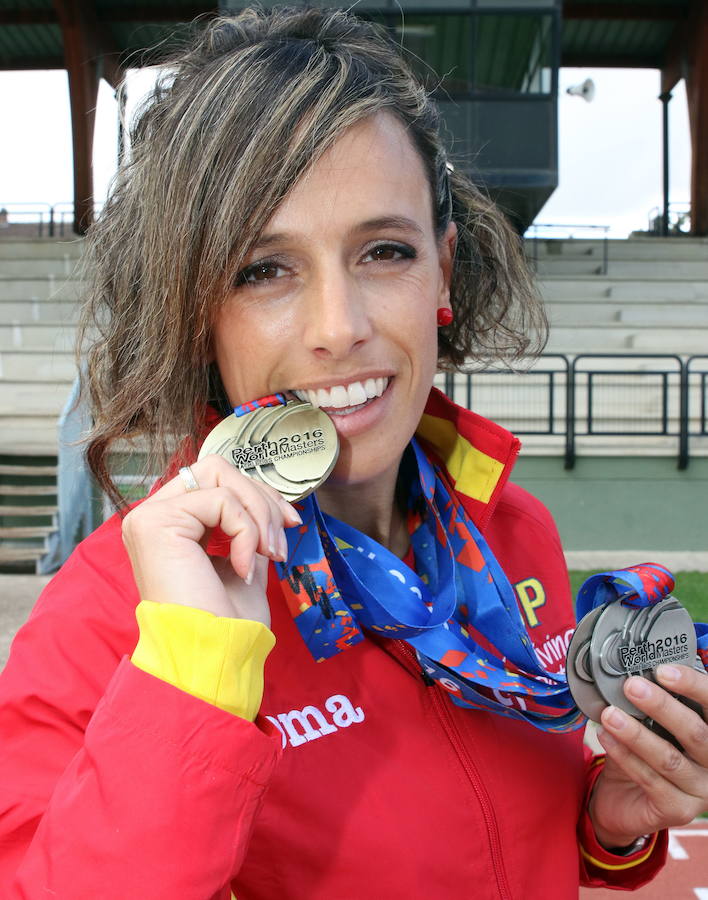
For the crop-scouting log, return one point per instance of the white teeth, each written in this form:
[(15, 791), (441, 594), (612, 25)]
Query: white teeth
[(338, 397), (370, 387), (341, 396), (357, 394)]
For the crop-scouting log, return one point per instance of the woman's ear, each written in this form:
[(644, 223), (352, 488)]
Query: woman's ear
[(446, 251)]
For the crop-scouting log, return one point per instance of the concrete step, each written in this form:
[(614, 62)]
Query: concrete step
[(22, 532), (615, 338), (40, 248), (10, 555), (27, 398), (31, 336), (48, 288), (30, 435), (639, 270), (677, 249), (21, 469), (679, 315), (670, 316), (19, 267), (51, 312), (30, 511), (27, 490), (584, 289), (37, 365)]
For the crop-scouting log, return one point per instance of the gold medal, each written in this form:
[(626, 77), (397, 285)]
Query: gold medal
[(292, 447)]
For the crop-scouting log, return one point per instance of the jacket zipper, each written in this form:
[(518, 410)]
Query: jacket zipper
[(441, 706)]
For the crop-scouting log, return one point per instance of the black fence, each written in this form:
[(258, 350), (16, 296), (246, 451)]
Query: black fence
[(636, 397)]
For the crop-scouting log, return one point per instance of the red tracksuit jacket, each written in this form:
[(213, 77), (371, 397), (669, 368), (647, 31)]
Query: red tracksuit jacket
[(358, 780)]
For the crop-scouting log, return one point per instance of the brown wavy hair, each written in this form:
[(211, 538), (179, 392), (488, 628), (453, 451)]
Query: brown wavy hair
[(239, 116)]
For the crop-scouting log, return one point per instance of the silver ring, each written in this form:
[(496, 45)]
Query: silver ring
[(188, 479)]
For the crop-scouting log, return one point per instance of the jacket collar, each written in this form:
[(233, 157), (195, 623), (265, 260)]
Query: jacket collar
[(478, 455)]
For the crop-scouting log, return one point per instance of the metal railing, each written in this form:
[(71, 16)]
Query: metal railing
[(595, 396), (590, 396), (533, 402), (612, 396), (50, 219), (697, 394), (551, 231), (679, 220)]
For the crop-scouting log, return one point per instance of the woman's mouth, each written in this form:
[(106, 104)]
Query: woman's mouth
[(343, 400)]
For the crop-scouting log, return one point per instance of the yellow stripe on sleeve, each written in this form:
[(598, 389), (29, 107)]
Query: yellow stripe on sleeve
[(616, 867), (218, 659)]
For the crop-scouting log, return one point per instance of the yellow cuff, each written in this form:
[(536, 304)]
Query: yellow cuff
[(218, 659), (617, 867)]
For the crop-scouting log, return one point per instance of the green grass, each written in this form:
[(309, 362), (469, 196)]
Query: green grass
[(691, 589)]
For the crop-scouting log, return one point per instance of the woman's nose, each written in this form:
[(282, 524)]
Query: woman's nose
[(338, 319)]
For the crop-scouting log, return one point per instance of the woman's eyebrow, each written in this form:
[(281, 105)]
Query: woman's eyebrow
[(400, 223)]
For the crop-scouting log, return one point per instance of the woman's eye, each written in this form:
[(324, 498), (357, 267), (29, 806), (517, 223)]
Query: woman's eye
[(259, 272), (390, 252)]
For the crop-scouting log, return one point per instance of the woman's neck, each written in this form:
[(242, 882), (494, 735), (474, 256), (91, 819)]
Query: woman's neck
[(372, 508)]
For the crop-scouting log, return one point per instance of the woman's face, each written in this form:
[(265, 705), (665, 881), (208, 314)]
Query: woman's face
[(339, 298)]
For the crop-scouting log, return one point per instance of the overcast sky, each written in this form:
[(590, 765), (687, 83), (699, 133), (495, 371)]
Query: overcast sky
[(609, 150)]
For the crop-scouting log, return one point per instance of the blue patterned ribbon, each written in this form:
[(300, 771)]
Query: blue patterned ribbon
[(641, 585), (460, 615)]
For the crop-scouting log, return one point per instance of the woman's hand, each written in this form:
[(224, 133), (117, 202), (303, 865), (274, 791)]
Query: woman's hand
[(166, 537), (647, 784)]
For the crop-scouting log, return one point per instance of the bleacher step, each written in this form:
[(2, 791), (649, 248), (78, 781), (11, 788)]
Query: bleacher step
[(37, 365), (14, 532), (10, 555), (28, 510), (48, 288), (27, 490), (37, 336), (21, 469), (39, 249), (50, 312)]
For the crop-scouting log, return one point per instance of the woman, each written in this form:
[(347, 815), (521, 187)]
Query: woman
[(288, 224)]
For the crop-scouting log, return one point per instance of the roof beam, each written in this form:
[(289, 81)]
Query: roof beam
[(627, 12), (675, 63), (31, 63), (138, 12), (126, 12), (28, 17), (588, 59)]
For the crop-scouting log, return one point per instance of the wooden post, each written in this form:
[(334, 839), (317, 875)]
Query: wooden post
[(84, 52), (697, 93)]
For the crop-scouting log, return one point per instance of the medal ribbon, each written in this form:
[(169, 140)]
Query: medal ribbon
[(460, 616), (637, 586)]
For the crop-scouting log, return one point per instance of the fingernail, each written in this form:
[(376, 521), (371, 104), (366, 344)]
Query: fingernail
[(615, 717), (283, 546), (638, 688), (295, 516), (271, 541), (668, 673), (249, 578)]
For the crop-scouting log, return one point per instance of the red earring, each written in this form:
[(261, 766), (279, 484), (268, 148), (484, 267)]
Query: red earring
[(445, 316)]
